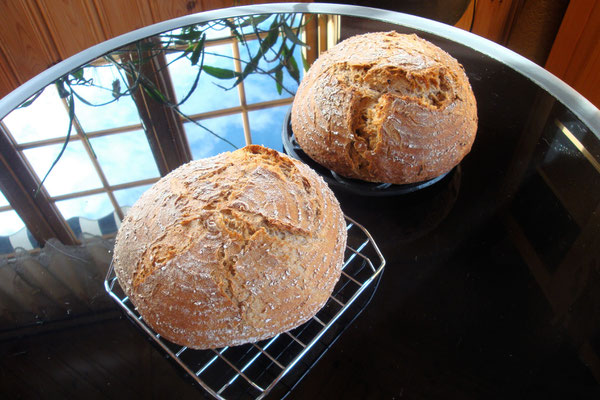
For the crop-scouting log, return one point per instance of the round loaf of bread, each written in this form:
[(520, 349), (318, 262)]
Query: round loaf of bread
[(231, 249), (385, 107)]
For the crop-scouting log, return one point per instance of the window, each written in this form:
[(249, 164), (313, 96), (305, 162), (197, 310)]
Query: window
[(12, 229), (120, 143)]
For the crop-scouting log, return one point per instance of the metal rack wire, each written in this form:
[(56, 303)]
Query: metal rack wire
[(254, 370)]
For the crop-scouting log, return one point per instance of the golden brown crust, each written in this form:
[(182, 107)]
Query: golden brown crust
[(385, 107), (231, 249)]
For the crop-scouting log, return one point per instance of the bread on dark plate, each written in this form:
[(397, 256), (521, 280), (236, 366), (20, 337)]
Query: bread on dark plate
[(385, 107)]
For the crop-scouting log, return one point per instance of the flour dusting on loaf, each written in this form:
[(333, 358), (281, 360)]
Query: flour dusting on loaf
[(231, 249), (385, 107)]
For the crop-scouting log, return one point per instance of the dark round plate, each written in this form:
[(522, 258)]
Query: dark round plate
[(356, 186)]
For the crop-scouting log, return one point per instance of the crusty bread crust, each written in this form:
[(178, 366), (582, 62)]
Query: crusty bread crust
[(385, 107), (231, 249)]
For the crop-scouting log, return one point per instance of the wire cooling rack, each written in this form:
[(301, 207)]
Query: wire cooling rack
[(275, 366)]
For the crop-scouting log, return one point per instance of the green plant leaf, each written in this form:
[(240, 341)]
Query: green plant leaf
[(234, 30), (154, 93), (31, 99), (198, 49), (290, 34), (265, 45), (290, 64), (188, 50), (220, 73), (305, 62), (78, 74), (271, 38), (279, 80), (197, 78), (248, 69), (254, 20)]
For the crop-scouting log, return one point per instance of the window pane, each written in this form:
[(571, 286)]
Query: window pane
[(263, 87), (127, 197), (3, 201), (10, 223), (90, 214), (249, 30), (266, 126), (116, 113), (293, 20), (212, 29), (13, 234), (45, 118), (73, 172), (203, 144), (216, 31), (125, 157), (183, 74)]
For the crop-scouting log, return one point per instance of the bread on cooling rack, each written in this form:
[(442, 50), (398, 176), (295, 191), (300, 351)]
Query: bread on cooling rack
[(231, 249), (385, 107)]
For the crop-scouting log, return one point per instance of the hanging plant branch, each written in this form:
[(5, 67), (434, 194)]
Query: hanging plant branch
[(187, 118), (32, 99), (191, 42), (197, 55), (71, 107)]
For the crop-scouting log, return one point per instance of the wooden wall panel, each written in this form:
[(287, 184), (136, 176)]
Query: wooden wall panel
[(584, 63), (586, 79), (73, 24), (465, 20), (164, 10), (36, 34), (24, 50), (7, 75), (212, 5), (572, 28), (118, 17), (575, 55), (41, 29), (215, 4), (494, 18)]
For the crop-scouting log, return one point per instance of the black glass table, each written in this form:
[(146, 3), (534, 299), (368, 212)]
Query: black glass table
[(491, 284)]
